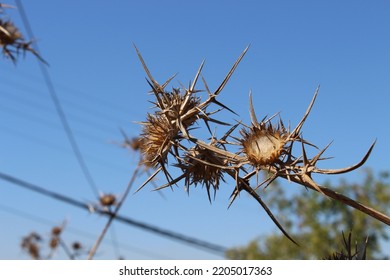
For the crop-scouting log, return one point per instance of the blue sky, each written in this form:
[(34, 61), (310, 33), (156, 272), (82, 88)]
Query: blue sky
[(294, 46)]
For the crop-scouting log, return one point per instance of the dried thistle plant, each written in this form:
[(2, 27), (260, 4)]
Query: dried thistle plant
[(31, 244), (346, 253), (107, 200), (12, 40), (265, 146)]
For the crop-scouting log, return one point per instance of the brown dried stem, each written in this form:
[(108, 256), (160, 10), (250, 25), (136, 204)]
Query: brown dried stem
[(113, 215)]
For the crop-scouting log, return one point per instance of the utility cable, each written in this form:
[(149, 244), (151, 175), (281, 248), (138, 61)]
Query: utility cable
[(80, 233), (205, 245), (57, 104)]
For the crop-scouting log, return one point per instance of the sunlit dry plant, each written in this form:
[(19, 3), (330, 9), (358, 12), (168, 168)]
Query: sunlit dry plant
[(202, 166), (30, 243), (33, 244), (55, 239), (158, 136), (56, 231), (347, 252), (76, 246), (107, 200), (263, 143), (12, 40), (265, 146)]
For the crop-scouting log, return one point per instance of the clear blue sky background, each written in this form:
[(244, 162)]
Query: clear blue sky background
[(295, 45)]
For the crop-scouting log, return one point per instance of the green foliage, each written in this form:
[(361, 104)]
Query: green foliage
[(317, 222)]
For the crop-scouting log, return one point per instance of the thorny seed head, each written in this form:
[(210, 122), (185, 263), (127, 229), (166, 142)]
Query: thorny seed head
[(30, 244), (53, 243), (157, 137), (33, 250), (107, 200), (76, 246), (203, 166), (263, 143), (56, 231), (9, 33), (175, 104), (12, 41)]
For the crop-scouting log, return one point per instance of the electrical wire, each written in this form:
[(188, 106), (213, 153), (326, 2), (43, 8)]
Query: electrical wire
[(57, 104), (200, 244), (80, 233)]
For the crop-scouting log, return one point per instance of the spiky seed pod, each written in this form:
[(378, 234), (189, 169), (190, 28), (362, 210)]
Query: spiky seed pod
[(203, 167), (107, 200), (56, 231), (33, 250), (9, 33), (174, 104), (157, 137), (53, 243), (76, 246), (263, 143)]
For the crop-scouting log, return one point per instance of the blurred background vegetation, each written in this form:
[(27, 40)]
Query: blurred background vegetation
[(318, 223)]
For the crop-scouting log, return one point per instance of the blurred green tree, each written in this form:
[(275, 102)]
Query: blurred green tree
[(318, 223)]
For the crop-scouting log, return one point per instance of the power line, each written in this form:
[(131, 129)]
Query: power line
[(57, 104), (205, 245), (78, 232)]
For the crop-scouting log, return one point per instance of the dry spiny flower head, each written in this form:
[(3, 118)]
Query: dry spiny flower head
[(76, 246), (158, 135), (30, 244), (174, 104), (263, 143), (12, 40), (107, 200), (202, 166), (56, 231), (54, 241), (10, 36), (34, 251)]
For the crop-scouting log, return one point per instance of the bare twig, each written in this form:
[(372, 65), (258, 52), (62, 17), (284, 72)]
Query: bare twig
[(113, 216)]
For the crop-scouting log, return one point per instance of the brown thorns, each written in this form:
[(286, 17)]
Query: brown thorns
[(224, 82), (295, 133), (243, 185), (149, 179), (212, 96), (305, 173), (154, 82), (346, 169), (192, 88), (252, 110)]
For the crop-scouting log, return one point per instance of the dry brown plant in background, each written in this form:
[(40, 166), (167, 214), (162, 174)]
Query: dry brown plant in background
[(347, 253), (12, 40), (34, 245), (166, 142)]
